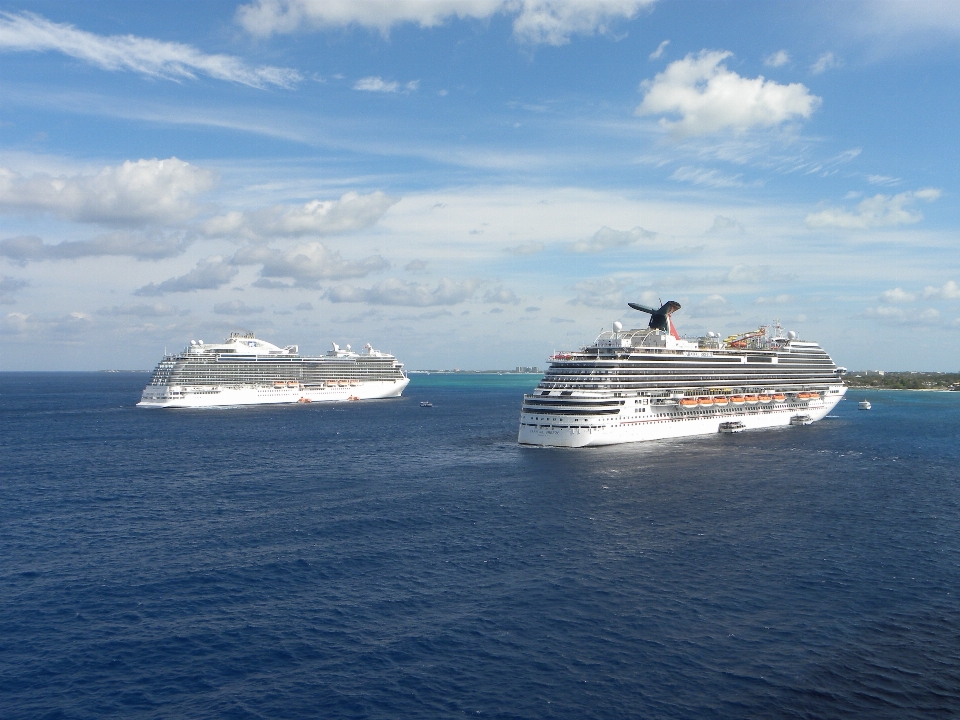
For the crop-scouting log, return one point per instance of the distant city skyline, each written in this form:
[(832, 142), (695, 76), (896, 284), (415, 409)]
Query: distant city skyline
[(476, 184)]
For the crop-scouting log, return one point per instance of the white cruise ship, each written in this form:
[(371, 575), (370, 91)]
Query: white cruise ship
[(650, 384), (245, 370)]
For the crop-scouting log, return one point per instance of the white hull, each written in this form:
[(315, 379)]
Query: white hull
[(556, 432), (228, 396)]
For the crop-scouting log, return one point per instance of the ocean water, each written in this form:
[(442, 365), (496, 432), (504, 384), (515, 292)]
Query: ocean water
[(383, 560)]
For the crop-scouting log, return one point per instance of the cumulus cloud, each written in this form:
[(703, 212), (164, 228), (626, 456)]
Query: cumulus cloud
[(949, 291), (658, 53), (526, 249), (827, 61), (898, 316), (307, 264), (608, 292), (143, 310), (304, 306), (59, 328), (318, 217), (712, 306), (709, 98), (777, 59), (10, 285), (502, 296), (415, 266), (396, 292), (609, 239), (154, 190), (897, 295), (724, 226), (551, 22), (27, 32), (27, 248), (236, 307), (209, 274), (874, 212), (774, 300)]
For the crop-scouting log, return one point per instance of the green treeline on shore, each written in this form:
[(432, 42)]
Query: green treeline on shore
[(902, 380)]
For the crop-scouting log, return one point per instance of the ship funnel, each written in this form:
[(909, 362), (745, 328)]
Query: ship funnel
[(659, 319)]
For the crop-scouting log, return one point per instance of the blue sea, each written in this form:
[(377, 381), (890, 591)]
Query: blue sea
[(383, 560)]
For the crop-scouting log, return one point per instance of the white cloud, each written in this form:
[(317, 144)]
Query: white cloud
[(28, 32), (235, 307), (775, 300), (878, 211), (724, 226), (318, 217), (609, 239), (825, 62), (396, 292), (26, 248), (307, 264), (526, 249), (502, 296), (777, 59), (61, 328), (897, 295), (656, 54), (707, 178), (376, 84), (551, 22), (949, 291), (143, 310), (209, 274), (712, 306), (415, 266), (882, 180), (10, 285), (608, 292), (899, 316), (154, 190), (709, 98)]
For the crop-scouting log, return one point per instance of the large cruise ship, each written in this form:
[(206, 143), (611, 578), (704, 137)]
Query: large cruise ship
[(650, 384), (245, 370)]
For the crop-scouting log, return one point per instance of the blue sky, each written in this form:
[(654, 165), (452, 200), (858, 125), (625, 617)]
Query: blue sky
[(476, 183)]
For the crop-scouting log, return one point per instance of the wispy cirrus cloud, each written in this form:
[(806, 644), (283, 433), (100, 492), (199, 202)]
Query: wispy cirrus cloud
[(378, 84), (28, 32), (550, 22)]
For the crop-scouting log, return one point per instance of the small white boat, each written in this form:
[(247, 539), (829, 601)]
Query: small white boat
[(801, 420), (732, 427), (426, 403), (864, 405)]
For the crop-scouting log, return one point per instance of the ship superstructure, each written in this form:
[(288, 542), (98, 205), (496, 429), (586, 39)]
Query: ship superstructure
[(244, 370), (649, 384)]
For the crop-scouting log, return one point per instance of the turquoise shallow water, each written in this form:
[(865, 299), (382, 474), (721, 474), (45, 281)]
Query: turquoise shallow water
[(381, 560)]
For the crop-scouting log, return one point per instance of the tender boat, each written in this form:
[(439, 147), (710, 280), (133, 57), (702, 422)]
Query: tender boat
[(864, 405), (732, 427), (801, 420), (426, 403)]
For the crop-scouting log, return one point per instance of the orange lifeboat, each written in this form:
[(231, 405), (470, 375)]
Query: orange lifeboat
[(720, 400), (764, 398), (813, 395), (688, 403), (705, 401), (304, 400), (737, 399), (779, 397), (292, 383), (751, 399)]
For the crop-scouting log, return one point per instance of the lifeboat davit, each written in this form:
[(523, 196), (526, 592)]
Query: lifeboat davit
[(737, 399), (751, 399), (720, 400)]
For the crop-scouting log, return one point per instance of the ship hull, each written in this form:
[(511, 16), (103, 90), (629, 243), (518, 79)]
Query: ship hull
[(231, 396), (557, 433)]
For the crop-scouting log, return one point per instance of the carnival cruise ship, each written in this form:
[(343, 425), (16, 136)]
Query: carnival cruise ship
[(650, 384), (245, 370)]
